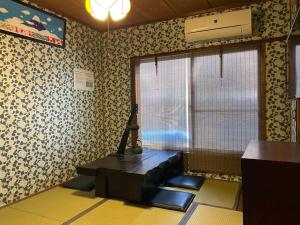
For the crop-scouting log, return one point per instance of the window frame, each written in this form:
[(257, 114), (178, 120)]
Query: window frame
[(292, 43), (259, 45)]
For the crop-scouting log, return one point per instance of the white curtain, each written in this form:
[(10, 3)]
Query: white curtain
[(206, 102), (162, 99), (226, 106)]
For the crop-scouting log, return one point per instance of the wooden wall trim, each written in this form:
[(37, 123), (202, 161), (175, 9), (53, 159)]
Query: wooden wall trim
[(195, 50), (134, 133), (260, 45), (263, 76), (298, 121)]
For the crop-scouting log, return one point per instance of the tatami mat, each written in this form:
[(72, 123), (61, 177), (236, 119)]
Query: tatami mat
[(9, 216), (206, 215), (216, 193), (58, 203), (67, 206), (115, 212)]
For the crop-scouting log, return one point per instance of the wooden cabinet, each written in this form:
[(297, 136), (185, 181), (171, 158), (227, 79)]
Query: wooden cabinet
[(271, 183)]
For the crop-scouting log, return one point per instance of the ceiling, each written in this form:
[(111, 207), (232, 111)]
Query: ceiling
[(142, 11)]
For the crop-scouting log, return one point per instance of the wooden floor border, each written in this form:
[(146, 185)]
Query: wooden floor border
[(188, 214), (83, 213)]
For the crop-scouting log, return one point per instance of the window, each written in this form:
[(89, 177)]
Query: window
[(294, 73), (297, 82), (294, 77), (206, 102), (225, 105), (162, 99)]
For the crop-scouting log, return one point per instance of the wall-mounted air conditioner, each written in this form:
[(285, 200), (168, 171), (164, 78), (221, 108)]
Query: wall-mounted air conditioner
[(230, 24)]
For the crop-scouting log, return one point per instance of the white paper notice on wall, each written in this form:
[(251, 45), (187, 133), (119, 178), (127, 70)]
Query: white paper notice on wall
[(83, 80)]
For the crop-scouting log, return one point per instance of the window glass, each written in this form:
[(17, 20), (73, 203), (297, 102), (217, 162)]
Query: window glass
[(206, 101), (225, 102), (162, 102)]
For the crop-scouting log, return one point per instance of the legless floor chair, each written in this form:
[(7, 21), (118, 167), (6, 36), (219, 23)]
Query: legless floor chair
[(185, 181), (82, 183)]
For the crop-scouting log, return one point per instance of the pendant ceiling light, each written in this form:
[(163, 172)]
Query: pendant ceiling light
[(100, 9)]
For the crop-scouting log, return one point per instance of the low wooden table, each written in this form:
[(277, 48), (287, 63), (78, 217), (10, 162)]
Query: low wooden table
[(271, 183), (132, 177)]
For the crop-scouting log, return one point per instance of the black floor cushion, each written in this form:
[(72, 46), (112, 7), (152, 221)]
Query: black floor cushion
[(82, 183), (176, 200), (184, 181)]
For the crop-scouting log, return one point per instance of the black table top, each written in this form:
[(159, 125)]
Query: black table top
[(129, 163)]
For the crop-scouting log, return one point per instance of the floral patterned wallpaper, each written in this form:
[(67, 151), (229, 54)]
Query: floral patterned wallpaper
[(278, 111), (47, 128), (293, 121)]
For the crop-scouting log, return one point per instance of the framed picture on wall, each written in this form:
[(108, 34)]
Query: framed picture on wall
[(26, 21)]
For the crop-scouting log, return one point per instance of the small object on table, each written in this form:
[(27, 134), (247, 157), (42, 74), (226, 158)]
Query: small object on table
[(137, 149)]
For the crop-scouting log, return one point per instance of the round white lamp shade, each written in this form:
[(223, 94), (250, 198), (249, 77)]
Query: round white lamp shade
[(107, 4), (100, 9), (120, 9), (96, 10)]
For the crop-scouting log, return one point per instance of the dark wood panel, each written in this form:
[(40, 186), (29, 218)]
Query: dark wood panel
[(298, 120), (218, 3), (183, 7), (271, 183), (262, 92), (287, 152), (153, 10)]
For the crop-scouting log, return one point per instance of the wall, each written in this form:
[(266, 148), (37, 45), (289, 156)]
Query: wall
[(271, 19), (46, 127)]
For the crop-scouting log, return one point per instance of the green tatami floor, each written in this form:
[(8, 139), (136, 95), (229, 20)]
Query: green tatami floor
[(215, 204)]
